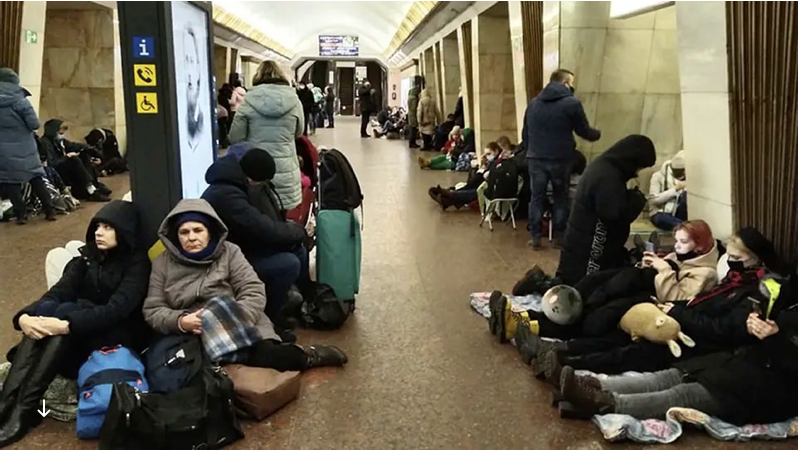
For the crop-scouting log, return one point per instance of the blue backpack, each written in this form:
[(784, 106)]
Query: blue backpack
[(96, 380)]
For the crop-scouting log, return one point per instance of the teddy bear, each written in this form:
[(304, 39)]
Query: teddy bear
[(647, 321)]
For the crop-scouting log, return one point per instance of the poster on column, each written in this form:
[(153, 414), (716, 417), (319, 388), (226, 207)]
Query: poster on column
[(194, 96)]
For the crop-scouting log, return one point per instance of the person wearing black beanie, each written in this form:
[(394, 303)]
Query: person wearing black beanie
[(242, 194)]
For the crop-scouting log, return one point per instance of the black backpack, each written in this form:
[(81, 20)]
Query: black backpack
[(322, 310), (338, 183), (172, 362), (503, 180)]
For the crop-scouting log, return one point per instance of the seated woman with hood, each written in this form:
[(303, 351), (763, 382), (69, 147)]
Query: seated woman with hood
[(607, 295), (668, 195), (96, 303), (603, 210), (198, 268), (714, 319), (753, 385)]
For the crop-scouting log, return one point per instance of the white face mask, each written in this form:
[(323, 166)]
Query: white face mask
[(684, 243), (60, 137)]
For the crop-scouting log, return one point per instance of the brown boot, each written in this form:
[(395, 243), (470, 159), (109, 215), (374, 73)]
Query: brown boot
[(423, 162), (583, 395), (547, 367)]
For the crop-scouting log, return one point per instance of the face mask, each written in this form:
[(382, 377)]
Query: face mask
[(685, 256), (59, 137), (572, 89), (490, 158), (737, 266)]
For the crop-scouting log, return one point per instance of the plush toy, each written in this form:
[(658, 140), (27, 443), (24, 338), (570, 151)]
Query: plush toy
[(562, 305), (647, 321)]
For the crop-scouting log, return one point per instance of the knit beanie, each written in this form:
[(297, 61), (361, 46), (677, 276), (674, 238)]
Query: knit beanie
[(678, 162), (761, 247), (258, 165), (192, 216)]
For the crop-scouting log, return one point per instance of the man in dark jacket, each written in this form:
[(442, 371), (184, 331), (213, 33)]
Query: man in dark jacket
[(241, 194), (367, 107), (550, 121), (73, 161), (308, 103), (603, 210)]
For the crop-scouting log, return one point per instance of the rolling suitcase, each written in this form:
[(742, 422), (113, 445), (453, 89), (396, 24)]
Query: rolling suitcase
[(338, 252)]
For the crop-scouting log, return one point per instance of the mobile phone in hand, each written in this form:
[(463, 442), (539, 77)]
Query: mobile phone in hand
[(756, 307), (649, 247)]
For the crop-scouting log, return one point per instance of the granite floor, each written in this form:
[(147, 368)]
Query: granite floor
[(424, 372)]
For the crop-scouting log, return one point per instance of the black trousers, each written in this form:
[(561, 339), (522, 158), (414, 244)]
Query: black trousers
[(413, 136), (14, 192), (364, 122), (330, 117), (614, 354), (427, 138), (275, 355), (75, 174)]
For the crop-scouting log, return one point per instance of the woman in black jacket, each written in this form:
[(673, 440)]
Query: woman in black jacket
[(603, 210), (96, 303), (754, 385)]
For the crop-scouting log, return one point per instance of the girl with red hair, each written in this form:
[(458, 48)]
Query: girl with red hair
[(691, 268)]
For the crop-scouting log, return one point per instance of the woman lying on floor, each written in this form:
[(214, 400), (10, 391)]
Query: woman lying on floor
[(95, 304), (199, 273), (715, 320), (754, 385)]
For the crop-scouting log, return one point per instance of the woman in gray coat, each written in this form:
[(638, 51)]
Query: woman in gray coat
[(200, 265), (271, 118), (19, 157)]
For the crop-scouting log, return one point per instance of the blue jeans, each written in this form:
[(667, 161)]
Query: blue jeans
[(279, 272), (541, 173), (463, 196), (668, 222)]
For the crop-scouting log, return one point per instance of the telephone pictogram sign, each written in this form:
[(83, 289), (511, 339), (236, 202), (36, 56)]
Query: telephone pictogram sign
[(146, 103), (144, 75)]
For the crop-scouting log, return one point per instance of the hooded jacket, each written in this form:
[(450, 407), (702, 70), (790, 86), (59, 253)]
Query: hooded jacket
[(663, 196), (271, 119), (110, 286), (603, 210), (19, 160), (427, 113), (53, 149), (550, 121), (180, 285), (686, 279), (305, 96), (258, 227)]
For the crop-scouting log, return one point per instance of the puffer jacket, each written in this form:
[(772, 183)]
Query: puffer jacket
[(663, 196), (179, 285), (686, 279), (427, 113), (19, 158), (271, 119)]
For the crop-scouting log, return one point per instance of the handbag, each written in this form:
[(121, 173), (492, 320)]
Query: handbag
[(173, 361), (261, 392), (201, 415)]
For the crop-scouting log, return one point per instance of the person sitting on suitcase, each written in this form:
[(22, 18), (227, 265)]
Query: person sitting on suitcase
[(242, 194), (199, 269), (96, 303)]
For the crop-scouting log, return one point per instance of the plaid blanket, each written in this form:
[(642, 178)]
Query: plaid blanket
[(225, 334)]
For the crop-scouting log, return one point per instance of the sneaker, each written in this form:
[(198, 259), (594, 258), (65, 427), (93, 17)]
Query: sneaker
[(530, 283), (496, 322), (50, 216), (325, 356), (22, 220), (98, 196), (526, 342), (535, 243)]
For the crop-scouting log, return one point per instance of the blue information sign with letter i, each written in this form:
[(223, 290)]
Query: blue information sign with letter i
[(143, 47)]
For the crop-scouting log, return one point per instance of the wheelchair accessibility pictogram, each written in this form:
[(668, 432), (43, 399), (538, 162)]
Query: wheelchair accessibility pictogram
[(146, 103)]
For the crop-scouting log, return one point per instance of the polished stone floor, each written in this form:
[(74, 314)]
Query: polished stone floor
[(424, 372)]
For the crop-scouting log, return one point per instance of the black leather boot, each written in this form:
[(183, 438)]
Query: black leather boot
[(324, 356), (23, 414), (25, 357)]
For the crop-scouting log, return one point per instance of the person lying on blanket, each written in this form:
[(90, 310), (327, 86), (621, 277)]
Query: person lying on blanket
[(683, 274), (755, 385), (715, 320)]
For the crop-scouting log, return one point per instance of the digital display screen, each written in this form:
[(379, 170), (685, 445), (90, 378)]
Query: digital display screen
[(194, 96), (339, 45)]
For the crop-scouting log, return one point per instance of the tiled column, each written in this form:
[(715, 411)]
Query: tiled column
[(551, 38), (464, 44), (703, 73), (34, 15), (438, 67), (519, 76), (450, 59), (119, 91), (430, 77), (494, 100), (221, 64)]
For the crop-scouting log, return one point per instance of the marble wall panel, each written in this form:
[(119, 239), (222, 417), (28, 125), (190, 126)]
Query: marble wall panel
[(626, 57), (451, 73), (666, 19), (584, 14), (662, 122), (582, 52), (641, 22), (617, 116), (718, 215), (34, 15), (663, 65), (551, 15), (72, 105), (102, 108), (551, 52), (702, 46)]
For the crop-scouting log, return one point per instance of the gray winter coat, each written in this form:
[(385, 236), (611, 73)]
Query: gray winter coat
[(412, 106), (179, 285), (19, 158), (271, 119)]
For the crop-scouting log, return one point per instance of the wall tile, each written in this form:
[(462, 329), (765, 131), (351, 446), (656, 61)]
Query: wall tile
[(719, 216), (494, 35), (702, 46), (662, 122), (490, 112), (666, 18), (641, 22), (65, 67), (705, 118), (66, 28), (99, 28), (551, 15), (618, 115), (584, 14), (102, 107), (663, 66), (582, 52), (551, 51), (69, 104), (626, 56), (509, 123), (101, 68)]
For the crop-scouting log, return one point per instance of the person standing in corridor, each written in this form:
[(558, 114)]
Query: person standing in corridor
[(367, 108), (550, 121)]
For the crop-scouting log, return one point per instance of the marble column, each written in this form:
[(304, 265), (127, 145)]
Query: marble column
[(494, 98), (221, 64), (703, 74), (78, 73), (120, 130), (31, 55), (450, 72), (551, 38), (519, 74), (465, 55), (430, 75), (438, 67)]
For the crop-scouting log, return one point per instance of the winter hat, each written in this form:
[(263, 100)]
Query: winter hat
[(678, 162), (760, 246), (258, 165), (191, 216), (8, 75)]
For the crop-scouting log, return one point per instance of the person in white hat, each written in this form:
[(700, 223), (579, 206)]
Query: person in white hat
[(668, 194)]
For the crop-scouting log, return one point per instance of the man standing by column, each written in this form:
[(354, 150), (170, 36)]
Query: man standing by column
[(550, 121), (367, 108)]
